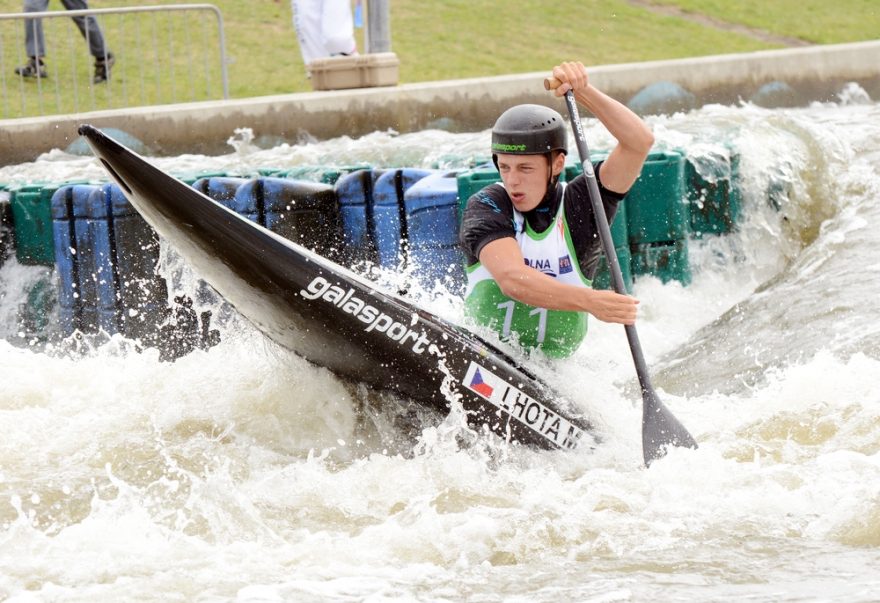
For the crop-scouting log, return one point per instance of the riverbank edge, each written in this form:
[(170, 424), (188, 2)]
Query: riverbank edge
[(815, 73)]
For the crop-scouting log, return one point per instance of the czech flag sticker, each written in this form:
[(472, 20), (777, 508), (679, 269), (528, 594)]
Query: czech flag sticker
[(480, 380)]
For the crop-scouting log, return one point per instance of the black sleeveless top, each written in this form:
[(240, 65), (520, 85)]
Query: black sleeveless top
[(488, 217)]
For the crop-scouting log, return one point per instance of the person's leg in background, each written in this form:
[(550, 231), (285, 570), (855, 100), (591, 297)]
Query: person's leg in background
[(91, 31), (337, 28), (34, 43)]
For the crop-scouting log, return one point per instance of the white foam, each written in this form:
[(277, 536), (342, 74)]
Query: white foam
[(246, 473)]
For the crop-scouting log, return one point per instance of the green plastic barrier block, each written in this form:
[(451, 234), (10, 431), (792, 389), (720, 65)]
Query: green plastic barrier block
[(322, 174), (573, 166), (619, 228), (666, 261), (471, 181), (190, 177), (657, 210), (38, 314), (32, 220), (602, 278), (714, 199), (457, 162)]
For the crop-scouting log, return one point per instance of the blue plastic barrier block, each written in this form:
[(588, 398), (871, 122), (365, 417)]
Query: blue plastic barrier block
[(106, 256), (64, 243), (95, 258), (432, 227), (307, 213), (354, 192), (80, 266), (219, 188), (142, 294), (573, 166), (248, 201), (389, 222), (7, 230)]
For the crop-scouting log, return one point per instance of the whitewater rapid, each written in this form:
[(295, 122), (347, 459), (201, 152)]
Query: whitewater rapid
[(244, 473)]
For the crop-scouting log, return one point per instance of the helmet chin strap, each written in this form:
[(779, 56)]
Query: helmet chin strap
[(551, 182), (550, 192)]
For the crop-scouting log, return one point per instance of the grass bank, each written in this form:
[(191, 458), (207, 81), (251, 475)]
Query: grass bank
[(472, 38), (461, 39)]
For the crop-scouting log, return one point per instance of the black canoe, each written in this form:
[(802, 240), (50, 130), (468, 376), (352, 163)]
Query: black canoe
[(338, 320)]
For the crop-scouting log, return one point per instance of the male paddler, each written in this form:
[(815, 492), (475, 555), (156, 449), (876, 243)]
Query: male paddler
[(530, 241)]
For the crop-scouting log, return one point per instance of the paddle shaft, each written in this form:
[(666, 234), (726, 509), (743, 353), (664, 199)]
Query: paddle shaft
[(660, 428), (605, 236)]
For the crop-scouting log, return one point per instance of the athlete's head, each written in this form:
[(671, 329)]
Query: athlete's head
[(528, 148)]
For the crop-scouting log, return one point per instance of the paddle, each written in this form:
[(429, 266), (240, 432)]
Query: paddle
[(660, 428)]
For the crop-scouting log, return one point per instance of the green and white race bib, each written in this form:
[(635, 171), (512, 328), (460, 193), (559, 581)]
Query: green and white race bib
[(557, 333)]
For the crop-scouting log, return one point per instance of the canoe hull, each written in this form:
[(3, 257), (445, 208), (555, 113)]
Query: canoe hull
[(338, 320)]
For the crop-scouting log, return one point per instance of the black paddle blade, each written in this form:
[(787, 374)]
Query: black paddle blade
[(660, 429)]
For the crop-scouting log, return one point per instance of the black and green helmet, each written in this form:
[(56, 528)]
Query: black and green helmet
[(529, 130)]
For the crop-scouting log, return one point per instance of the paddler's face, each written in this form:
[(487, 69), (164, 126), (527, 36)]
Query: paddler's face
[(525, 177)]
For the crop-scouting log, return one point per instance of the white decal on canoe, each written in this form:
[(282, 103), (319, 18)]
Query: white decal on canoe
[(374, 319), (521, 407)]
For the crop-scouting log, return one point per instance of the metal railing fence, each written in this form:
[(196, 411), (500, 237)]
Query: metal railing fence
[(157, 60)]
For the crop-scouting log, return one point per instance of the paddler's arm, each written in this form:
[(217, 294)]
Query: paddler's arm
[(504, 261), (634, 137)]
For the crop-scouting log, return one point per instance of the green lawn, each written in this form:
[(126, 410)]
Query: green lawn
[(433, 40), (816, 22)]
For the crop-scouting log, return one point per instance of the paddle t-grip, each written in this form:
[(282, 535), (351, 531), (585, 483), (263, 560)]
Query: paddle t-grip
[(551, 83)]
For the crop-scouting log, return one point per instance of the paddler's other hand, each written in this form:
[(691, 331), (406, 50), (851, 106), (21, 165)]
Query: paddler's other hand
[(572, 75), (609, 306)]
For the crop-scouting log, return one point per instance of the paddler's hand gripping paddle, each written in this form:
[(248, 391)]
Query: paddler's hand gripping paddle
[(660, 428)]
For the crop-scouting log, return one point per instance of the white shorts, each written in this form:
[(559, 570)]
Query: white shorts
[(324, 28)]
